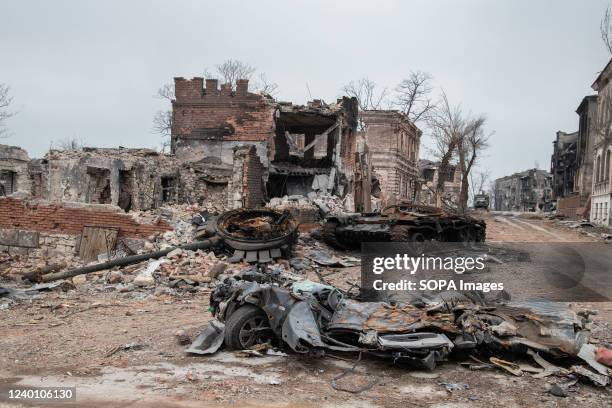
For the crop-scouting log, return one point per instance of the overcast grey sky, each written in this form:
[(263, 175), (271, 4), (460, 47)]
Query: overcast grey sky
[(89, 70)]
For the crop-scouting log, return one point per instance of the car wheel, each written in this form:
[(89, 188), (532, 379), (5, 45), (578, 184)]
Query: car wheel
[(245, 327)]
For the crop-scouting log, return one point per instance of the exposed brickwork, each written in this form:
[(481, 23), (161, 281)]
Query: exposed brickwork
[(219, 114), (570, 207), (252, 180), (54, 218)]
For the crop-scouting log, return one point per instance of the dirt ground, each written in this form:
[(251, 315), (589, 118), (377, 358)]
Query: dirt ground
[(120, 349)]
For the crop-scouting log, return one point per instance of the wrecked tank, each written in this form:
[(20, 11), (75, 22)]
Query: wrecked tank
[(404, 222)]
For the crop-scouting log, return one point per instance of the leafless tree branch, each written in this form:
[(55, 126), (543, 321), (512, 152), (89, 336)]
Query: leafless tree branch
[(473, 141), (68, 143), (479, 180), (166, 92), (413, 96), (5, 113), (605, 28), (231, 70), (162, 123), (366, 92), (265, 86)]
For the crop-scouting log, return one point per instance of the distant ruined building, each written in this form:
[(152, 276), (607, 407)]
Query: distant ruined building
[(529, 190)]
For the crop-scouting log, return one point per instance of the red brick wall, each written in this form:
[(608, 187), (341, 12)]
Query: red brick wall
[(253, 180), (237, 116), (55, 218), (570, 207)]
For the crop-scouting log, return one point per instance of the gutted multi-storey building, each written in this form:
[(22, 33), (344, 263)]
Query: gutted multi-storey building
[(563, 164), (299, 149), (583, 180), (572, 163), (601, 195), (393, 141), (529, 190)]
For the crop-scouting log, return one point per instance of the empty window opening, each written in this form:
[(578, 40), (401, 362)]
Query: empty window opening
[(126, 187), (428, 174), (7, 182), (37, 185), (99, 191), (168, 184)]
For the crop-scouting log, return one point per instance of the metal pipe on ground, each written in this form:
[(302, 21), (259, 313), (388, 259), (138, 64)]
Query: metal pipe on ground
[(129, 260)]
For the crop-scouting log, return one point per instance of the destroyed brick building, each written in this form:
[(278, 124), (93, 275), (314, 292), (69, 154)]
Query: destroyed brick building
[(299, 149), (572, 163), (529, 190), (563, 163), (583, 182), (393, 141), (430, 173), (132, 179), (229, 149), (14, 170)]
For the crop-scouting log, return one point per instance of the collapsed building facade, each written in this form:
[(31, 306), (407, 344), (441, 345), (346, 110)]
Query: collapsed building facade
[(229, 149), (563, 164), (529, 190), (393, 141), (572, 163), (298, 149), (14, 170), (430, 174)]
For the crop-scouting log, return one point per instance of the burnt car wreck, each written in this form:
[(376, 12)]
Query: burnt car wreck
[(261, 309), (404, 222)]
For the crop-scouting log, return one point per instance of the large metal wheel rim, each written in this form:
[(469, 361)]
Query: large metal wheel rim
[(250, 243), (250, 332)]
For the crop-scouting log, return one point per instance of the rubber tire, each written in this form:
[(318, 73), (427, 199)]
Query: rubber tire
[(235, 322)]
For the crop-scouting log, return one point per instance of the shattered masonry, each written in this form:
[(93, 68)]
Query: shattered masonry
[(295, 144), (229, 149), (580, 163), (39, 230), (430, 174)]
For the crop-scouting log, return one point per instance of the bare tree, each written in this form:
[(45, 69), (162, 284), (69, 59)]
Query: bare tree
[(68, 143), (5, 113), (231, 70), (265, 86), (447, 127), (479, 180), (166, 91), (605, 28), (473, 141), (367, 94), (162, 121), (413, 96)]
